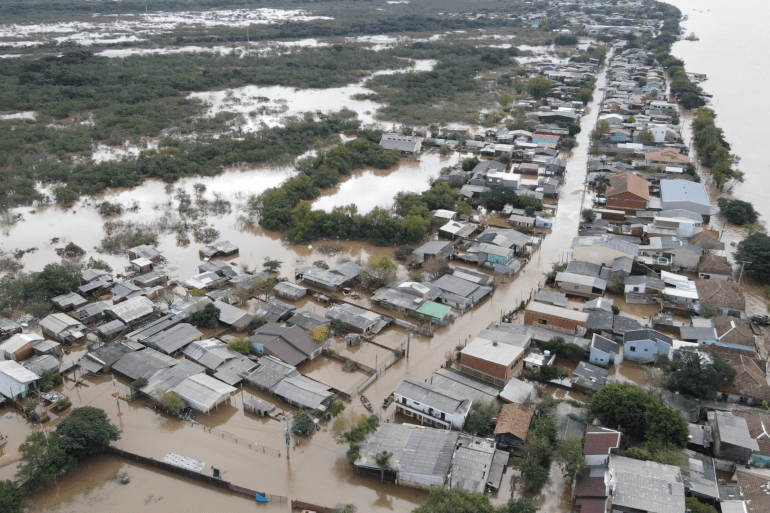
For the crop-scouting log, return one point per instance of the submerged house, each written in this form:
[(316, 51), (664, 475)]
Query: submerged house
[(357, 319), (645, 345), (63, 328), (290, 344), (431, 405), (332, 279), (512, 426)]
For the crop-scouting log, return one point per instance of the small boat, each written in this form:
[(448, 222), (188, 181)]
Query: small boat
[(366, 403)]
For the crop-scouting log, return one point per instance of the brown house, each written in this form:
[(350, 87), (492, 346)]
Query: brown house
[(741, 335), (713, 267), (555, 318), (750, 384), (491, 360), (707, 239), (725, 296), (512, 426), (628, 191)]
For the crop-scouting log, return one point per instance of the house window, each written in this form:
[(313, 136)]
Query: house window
[(542, 321), (636, 289), (577, 287), (632, 349)]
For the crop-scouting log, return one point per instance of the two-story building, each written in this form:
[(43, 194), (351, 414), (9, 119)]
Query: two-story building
[(431, 405)]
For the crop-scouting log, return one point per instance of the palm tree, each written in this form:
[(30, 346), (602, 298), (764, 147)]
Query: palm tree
[(382, 460), (601, 183)]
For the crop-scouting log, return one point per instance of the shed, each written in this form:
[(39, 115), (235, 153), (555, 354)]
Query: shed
[(218, 248), (67, 302), (517, 391), (290, 291), (258, 407), (48, 347), (43, 363)]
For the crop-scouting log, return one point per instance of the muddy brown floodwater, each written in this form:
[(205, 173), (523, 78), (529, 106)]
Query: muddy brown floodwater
[(247, 448)]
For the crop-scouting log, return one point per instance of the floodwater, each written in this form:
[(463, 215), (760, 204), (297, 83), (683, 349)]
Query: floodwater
[(230, 439), (120, 28), (270, 106)]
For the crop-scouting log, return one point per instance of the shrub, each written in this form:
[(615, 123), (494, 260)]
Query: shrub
[(208, 317), (139, 383), (172, 402), (303, 423), (239, 345)]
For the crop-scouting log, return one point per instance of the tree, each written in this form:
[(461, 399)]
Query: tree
[(498, 197), (522, 505), (239, 345), (601, 130), (708, 311), (641, 416), (12, 497), (64, 196), (588, 215), (336, 408), (646, 137), (382, 460), (302, 423), (470, 163), (566, 350), (139, 383), (172, 402), (381, 271), (321, 264), (549, 373), (585, 95), (207, 317), (454, 500), (42, 459), (616, 286), (86, 432), (699, 373), (695, 506), (536, 466), (481, 414), (271, 265), (737, 211), (572, 460), (756, 249), (48, 380), (538, 86), (601, 182)]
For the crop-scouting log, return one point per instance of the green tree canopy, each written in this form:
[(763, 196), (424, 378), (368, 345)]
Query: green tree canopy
[(12, 497), (239, 345), (86, 432), (737, 211), (756, 249), (42, 458), (207, 317), (539, 86), (641, 416), (699, 373), (302, 423), (481, 414), (498, 197), (454, 500)]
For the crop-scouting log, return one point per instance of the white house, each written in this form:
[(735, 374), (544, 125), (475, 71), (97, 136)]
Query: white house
[(431, 405)]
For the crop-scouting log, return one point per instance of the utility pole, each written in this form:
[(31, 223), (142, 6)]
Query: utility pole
[(288, 437), (408, 340), (743, 264)]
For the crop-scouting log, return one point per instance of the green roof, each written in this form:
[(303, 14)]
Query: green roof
[(434, 309)]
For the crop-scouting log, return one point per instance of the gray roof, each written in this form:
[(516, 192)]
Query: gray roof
[(649, 281), (269, 372), (58, 323), (109, 353), (600, 320), (232, 315), (684, 190), (90, 311), (646, 485), (432, 247), (274, 310), (132, 309), (230, 371), (307, 320), (645, 334), (354, 316), (607, 241), (579, 279), (455, 285), (140, 364), (465, 386), (165, 379), (605, 345), (434, 396), (591, 372), (693, 333), (734, 430), (154, 327), (334, 278), (623, 324), (69, 301), (400, 142), (290, 290), (472, 463), (600, 303), (223, 247), (398, 298), (517, 391), (417, 451), (551, 297), (202, 392), (699, 474), (680, 213), (485, 166), (584, 268), (173, 339), (145, 251), (506, 238), (303, 391), (42, 363), (221, 268)]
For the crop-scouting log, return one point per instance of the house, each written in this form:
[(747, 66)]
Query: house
[(643, 289), (734, 331), (42, 364), (603, 351), (598, 444), (172, 339), (752, 494), (434, 249), (679, 290), (644, 486), (142, 265), (140, 364), (290, 344), (588, 378), (421, 457), (222, 269), (602, 249), (493, 356), (517, 391), (555, 318), (413, 304), (164, 380), (707, 240), (131, 311), (305, 393), (218, 248), (20, 346), (151, 279), (645, 345), (67, 302), (431, 405), (512, 426), (268, 372), (233, 316), (492, 256), (590, 492), (332, 279), (459, 292), (750, 383), (202, 392), (504, 238), (308, 321), (600, 304), (144, 251), (574, 284), (62, 327), (713, 267), (627, 191), (103, 357), (455, 230), (225, 365), (667, 157), (8, 327), (357, 319), (686, 195), (725, 296), (732, 440), (679, 253), (290, 291), (476, 465), (407, 145), (16, 381), (273, 310), (465, 386), (550, 297)]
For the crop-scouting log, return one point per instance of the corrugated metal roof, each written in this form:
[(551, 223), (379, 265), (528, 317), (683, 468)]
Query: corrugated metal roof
[(131, 309), (174, 338), (142, 363), (684, 190), (556, 311), (303, 391), (14, 378), (433, 396), (268, 373), (646, 485), (202, 392)]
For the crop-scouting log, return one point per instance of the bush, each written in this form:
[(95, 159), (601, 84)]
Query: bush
[(481, 414), (708, 311), (738, 211), (616, 286), (139, 384), (303, 423), (403, 252), (172, 402), (239, 345), (48, 380)]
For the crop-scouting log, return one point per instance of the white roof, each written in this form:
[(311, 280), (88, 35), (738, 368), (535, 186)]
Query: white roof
[(485, 349), (14, 378), (18, 341), (202, 392), (444, 214)]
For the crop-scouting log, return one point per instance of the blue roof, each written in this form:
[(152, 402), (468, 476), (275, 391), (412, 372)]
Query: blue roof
[(683, 190)]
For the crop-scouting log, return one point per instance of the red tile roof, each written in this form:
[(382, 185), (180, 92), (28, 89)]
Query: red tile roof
[(600, 443), (628, 182), (514, 419), (591, 505), (587, 486)]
